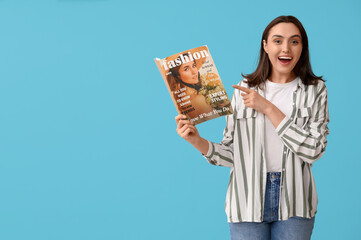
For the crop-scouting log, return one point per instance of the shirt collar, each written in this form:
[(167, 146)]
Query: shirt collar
[(300, 83)]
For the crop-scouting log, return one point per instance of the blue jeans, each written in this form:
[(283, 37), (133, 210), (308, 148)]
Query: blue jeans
[(295, 228)]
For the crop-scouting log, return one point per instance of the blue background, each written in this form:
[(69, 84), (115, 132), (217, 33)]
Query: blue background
[(88, 147)]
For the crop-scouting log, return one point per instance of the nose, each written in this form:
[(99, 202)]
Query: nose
[(285, 47), (194, 70)]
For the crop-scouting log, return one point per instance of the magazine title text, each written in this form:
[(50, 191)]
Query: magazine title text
[(184, 59)]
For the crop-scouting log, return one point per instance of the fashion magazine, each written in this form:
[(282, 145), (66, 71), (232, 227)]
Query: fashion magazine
[(194, 84)]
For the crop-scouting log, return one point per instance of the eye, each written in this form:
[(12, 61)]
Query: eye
[(194, 65), (277, 41), (294, 42), (185, 68)]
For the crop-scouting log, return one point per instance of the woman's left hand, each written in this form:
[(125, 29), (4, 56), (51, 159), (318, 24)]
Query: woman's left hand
[(253, 99)]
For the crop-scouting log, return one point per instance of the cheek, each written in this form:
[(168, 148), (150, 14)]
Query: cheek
[(298, 56), (273, 57), (272, 54), (184, 75), (299, 52)]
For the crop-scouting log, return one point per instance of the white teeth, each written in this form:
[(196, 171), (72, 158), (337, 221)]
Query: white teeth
[(288, 58)]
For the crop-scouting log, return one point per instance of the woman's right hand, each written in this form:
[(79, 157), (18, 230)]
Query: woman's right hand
[(186, 129)]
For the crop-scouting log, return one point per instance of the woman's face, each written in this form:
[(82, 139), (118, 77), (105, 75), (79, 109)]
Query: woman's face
[(189, 72), (284, 47)]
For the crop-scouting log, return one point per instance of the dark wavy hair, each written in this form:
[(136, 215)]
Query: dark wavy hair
[(303, 67)]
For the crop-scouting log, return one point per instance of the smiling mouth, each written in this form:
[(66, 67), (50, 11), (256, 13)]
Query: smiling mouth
[(285, 60)]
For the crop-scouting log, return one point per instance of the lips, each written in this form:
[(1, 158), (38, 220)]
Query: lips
[(284, 60)]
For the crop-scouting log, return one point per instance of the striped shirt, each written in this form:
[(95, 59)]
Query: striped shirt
[(303, 134)]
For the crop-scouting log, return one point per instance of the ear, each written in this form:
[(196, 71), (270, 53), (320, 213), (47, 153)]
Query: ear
[(265, 48)]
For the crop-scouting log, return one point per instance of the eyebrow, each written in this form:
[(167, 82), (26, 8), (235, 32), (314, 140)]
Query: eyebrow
[(280, 36), (186, 66)]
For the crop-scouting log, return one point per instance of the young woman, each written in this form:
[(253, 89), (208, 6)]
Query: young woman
[(278, 130), (187, 76)]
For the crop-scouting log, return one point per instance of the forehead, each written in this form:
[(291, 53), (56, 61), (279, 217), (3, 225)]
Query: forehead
[(190, 63), (284, 29)]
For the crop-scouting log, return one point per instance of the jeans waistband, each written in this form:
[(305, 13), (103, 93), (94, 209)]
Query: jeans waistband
[(273, 175)]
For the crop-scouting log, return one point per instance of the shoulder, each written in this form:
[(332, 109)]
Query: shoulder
[(243, 83), (315, 92), (199, 99), (200, 102), (320, 84), (321, 88)]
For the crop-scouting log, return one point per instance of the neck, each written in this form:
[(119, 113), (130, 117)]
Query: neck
[(282, 78)]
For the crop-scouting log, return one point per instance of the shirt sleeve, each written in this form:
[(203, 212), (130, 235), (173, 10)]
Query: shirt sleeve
[(308, 143), (222, 154)]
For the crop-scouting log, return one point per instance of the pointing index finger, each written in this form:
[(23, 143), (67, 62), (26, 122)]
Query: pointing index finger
[(243, 89)]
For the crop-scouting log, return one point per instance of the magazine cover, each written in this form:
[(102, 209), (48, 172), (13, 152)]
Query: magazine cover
[(194, 84)]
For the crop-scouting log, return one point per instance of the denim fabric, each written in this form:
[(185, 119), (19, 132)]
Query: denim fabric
[(295, 228), (272, 200)]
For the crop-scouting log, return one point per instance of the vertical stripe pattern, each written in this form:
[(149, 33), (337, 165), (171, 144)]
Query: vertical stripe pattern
[(304, 136)]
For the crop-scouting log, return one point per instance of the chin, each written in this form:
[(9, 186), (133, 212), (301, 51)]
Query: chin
[(194, 81), (288, 70)]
